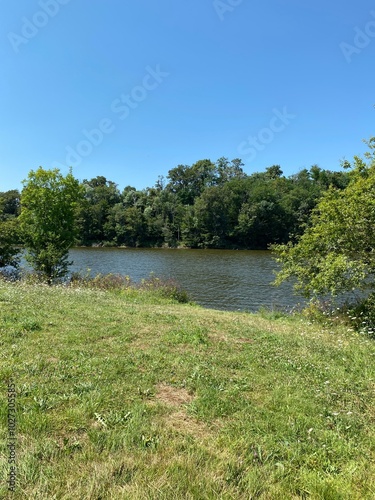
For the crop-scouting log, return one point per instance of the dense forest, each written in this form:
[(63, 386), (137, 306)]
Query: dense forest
[(205, 205)]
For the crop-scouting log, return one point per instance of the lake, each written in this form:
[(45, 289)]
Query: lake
[(219, 279)]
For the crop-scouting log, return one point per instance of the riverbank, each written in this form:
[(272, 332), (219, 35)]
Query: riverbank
[(127, 394)]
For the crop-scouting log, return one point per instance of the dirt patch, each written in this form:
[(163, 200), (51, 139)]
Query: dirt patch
[(173, 396), (140, 345), (218, 337), (52, 360), (180, 422)]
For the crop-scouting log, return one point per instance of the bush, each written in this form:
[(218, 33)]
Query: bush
[(362, 315), (322, 311)]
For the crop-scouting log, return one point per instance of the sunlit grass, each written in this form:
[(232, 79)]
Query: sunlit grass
[(126, 394)]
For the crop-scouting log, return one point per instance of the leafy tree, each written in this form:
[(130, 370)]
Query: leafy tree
[(9, 228), (9, 204), (299, 198), (188, 183), (212, 221), (327, 178), (129, 225), (336, 253), (180, 183), (190, 231), (47, 220), (227, 171), (9, 237), (133, 227), (100, 196), (261, 219), (260, 223), (274, 172)]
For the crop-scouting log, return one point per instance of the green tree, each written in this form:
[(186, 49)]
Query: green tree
[(9, 204), (9, 237), (262, 218), (47, 220), (214, 215), (227, 171), (260, 223), (100, 196), (336, 253), (188, 183), (274, 172), (9, 228)]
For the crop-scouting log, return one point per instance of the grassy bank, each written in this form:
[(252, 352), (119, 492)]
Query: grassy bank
[(131, 395)]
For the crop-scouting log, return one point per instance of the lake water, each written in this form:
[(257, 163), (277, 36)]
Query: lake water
[(219, 279)]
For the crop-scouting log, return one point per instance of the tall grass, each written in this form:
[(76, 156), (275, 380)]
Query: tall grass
[(163, 287)]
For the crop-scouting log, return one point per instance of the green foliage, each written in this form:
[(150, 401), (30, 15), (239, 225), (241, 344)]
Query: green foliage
[(9, 204), (9, 237), (337, 252), (47, 220), (227, 171), (205, 205), (274, 172), (9, 228), (100, 196), (362, 315), (212, 215), (189, 182)]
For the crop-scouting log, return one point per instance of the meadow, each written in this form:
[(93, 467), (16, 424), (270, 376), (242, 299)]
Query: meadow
[(130, 394)]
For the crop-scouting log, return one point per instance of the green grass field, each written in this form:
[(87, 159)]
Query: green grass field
[(131, 395)]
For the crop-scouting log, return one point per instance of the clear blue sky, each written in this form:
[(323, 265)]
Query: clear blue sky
[(170, 82)]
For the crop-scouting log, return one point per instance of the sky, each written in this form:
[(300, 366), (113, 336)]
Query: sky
[(131, 89)]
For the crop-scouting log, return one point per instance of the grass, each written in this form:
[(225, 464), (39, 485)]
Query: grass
[(127, 394)]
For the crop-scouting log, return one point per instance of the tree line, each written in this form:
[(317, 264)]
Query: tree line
[(205, 205)]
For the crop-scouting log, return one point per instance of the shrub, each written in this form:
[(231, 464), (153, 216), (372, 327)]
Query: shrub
[(359, 315), (362, 315)]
